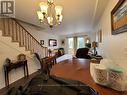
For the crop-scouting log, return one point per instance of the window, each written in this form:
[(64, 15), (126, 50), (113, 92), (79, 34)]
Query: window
[(71, 45), (80, 42), (75, 43)]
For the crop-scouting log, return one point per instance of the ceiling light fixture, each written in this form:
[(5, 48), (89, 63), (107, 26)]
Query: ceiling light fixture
[(50, 14)]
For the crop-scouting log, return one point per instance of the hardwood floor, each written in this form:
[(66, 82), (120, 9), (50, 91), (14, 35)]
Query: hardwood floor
[(18, 83), (70, 69), (79, 70)]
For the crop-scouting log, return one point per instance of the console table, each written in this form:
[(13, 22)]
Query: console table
[(17, 64)]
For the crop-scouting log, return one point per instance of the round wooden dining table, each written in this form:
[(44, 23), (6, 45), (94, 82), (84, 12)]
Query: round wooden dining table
[(79, 69)]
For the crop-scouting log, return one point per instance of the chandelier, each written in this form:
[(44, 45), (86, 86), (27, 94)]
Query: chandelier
[(50, 14)]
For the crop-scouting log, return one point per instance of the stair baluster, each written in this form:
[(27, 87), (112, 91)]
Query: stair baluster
[(10, 27)]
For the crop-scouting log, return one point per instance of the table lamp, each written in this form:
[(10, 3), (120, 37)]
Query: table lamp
[(94, 45)]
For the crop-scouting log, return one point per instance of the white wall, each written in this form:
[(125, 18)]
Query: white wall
[(113, 46), (11, 50)]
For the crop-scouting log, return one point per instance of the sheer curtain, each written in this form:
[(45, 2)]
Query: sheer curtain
[(74, 43)]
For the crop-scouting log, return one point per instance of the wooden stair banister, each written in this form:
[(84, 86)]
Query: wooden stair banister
[(12, 28)]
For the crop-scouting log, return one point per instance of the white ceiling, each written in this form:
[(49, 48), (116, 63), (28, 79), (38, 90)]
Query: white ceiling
[(79, 15)]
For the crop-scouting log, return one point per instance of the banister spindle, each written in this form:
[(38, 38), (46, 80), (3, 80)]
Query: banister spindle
[(19, 35), (11, 27), (23, 37), (33, 45), (4, 27), (30, 43), (12, 30), (16, 33), (8, 34), (25, 40)]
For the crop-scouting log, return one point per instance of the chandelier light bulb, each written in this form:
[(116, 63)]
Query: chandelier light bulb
[(58, 10), (44, 7), (50, 14), (40, 15), (50, 20)]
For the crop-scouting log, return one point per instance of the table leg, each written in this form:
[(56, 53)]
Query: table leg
[(7, 78), (27, 70), (5, 75), (24, 70)]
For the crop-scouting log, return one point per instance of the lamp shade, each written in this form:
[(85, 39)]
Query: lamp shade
[(44, 7), (40, 15), (58, 10), (50, 20), (94, 44)]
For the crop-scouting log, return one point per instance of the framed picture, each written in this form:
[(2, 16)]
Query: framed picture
[(52, 42), (119, 18), (42, 42)]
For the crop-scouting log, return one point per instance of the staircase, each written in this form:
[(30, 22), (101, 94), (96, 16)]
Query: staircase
[(12, 28)]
